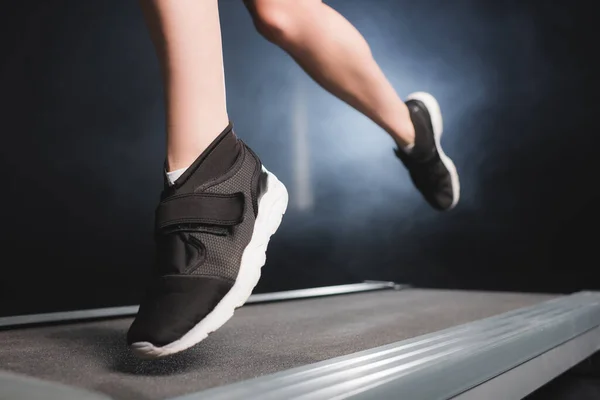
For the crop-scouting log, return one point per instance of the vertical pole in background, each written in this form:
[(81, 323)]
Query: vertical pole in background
[(302, 197)]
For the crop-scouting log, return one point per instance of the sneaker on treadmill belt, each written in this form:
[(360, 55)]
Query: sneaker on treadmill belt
[(431, 170), (212, 229)]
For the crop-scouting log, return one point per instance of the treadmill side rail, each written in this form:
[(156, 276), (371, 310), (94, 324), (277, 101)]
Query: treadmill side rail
[(440, 365)]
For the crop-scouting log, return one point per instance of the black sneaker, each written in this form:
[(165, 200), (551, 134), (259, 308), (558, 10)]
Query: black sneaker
[(211, 236), (432, 172)]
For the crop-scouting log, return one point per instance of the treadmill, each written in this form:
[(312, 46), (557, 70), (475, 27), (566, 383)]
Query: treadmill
[(370, 340)]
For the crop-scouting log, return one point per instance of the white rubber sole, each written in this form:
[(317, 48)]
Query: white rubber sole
[(438, 128), (271, 208)]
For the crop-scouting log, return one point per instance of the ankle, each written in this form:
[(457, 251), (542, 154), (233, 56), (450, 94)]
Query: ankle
[(405, 136), (184, 158), (210, 161), (400, 126), (188, 138), (403, 133), (181, 154)]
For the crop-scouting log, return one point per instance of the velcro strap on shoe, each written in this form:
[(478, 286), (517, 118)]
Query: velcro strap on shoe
[(200, 208)]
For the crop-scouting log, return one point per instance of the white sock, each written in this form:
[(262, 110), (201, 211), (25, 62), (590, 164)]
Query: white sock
[(174, 175), (408, 149)]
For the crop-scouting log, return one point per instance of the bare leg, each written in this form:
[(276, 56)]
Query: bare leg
[(336, 56), (187, 37)]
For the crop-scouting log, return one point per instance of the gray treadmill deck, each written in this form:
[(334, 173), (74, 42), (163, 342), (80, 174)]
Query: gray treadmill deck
[(259, 340)]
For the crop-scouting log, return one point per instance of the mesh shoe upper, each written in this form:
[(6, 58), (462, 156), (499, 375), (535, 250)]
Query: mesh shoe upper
[(225, 250)]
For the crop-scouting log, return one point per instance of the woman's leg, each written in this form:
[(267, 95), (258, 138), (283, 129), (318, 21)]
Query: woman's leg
[(187, 38), (336, 56), (214, 221)]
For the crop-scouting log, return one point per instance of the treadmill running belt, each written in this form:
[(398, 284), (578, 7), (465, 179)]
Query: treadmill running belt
[(260, 339)]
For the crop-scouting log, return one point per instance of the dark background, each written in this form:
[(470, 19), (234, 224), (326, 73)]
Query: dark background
[(82, 119)]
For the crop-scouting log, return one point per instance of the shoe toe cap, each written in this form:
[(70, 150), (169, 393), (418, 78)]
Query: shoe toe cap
[(173, 306), (443, 200)]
